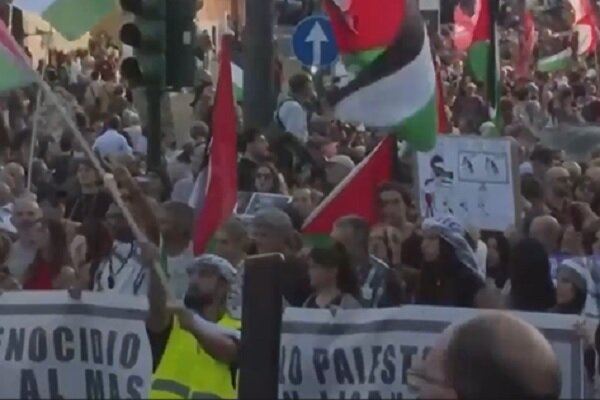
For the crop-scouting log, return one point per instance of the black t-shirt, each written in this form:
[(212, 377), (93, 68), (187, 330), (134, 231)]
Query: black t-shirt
[(87, 206), (246, 169)]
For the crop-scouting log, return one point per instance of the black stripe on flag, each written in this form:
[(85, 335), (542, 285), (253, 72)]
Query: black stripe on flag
[(493, 61), (405, 48)]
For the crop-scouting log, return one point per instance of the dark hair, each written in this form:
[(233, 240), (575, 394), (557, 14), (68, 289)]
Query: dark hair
[(359, 227), (95, 75), (114, 122), (299, 82), (274, 173), (250, 135), (392, 186), (66, 142), (542, 155), (532, 288), (337, 257), (99, 244), (503, 247), (531, 188)]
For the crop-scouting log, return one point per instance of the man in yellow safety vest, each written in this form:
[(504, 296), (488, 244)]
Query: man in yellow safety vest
[(195, 348)]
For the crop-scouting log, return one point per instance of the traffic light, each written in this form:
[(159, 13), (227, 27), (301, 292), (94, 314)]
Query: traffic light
[(146, 34), (181, 41)]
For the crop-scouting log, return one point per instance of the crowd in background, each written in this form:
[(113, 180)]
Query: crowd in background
[(60, 228)]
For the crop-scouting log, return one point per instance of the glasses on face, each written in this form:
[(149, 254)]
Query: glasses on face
[(417, 378)]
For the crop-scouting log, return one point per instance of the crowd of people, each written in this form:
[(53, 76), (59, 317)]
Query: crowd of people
[(60, 228)]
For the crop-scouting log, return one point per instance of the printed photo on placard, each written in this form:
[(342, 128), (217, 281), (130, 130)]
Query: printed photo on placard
[(260, 201)]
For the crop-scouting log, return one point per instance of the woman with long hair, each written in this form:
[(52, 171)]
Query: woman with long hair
[(267, 179), (47, 271), (531, 286), (331, 276), (571, 289), (497, 257), (449, 274)]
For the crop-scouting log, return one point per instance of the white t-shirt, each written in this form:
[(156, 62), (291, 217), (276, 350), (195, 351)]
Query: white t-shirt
[(177, 271), (111, 143), (138, 140), (19, 259), (294, 119), (122, 272)]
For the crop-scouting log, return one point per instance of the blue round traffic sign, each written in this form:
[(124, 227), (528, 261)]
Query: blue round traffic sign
[(314, 43)]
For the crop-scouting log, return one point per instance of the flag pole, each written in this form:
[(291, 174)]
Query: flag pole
[(107, 177), (34, 131), (10, 16)]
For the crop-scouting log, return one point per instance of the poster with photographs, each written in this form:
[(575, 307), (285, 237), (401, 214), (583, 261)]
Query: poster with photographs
[(473, 178)]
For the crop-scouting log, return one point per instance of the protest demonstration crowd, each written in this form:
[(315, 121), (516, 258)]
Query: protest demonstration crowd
[(427, 182)]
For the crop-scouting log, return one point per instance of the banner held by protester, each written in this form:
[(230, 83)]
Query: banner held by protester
[(368, 354), (53, 346)]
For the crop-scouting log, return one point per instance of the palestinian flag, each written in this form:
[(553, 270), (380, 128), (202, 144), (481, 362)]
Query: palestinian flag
[(215, 192), (15, 67), (526, 45), (483, 56), (557, 62), (586, 26), (386, 49), (71, 18), (237, 75), (355, 195)]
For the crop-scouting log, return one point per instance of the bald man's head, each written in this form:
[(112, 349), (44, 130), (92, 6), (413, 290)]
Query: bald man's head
[(5, 194), (558, 182), (547, 230), (26, 212), (594, 174), (574, 169), (499, 356)]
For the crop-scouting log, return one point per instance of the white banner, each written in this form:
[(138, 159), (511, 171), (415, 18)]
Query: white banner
[(365, 354), (52, 346)]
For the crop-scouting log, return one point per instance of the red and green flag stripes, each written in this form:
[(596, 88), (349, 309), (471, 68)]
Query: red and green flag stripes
[(15, 69), (355, 195), (218, 192), (483, 56), (386, 49)]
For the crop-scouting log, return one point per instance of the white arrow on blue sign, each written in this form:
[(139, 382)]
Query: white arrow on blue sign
[(313, 42)]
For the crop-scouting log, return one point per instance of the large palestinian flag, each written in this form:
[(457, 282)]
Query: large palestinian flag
[(483, 55), (355, 195), (386, 49)]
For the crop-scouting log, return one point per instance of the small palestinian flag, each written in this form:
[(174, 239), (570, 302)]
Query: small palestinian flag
[(483, 56), (386, 47), (15, 68), (355, 195), (71, 18), (557, 62)]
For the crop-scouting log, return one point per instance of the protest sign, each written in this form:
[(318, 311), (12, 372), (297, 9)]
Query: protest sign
[(474, 178), (365, 354), (52, 346)]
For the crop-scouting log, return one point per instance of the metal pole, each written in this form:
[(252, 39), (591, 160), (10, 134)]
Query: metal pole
[(258, 52), (154, 127)]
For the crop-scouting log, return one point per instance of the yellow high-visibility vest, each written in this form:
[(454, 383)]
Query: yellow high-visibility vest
[(186, 371)]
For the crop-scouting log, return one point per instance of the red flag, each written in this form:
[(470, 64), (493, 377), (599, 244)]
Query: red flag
[(586, 26), (221, 184), (526, 45), (463, 29), (343, 200), (443, 126), (363, 26)]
